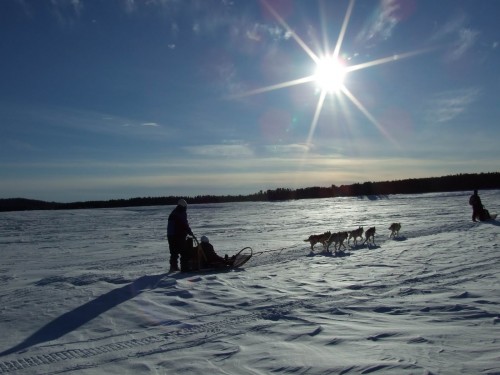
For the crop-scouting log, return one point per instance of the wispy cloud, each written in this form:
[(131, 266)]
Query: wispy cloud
[(383, 22), (319, 172), (66, 10), (21, 145), (28, 11), (458, 37), (228, 77), (131, 6), (465, 40), (55, 121), (260, 31), (446, 106), (291, 149), (221, 150)]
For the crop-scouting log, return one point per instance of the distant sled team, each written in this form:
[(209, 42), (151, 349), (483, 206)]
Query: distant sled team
[(338, 238), (479, 213)]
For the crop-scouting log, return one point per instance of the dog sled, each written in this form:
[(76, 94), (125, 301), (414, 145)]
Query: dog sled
[(486, 216), (198, 261)]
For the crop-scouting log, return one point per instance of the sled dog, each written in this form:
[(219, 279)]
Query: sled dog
[(337, 238), (370, 233), (318, 238), (355, 234), (395, 228)]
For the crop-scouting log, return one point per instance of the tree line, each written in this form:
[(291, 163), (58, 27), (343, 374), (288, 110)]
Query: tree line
[(459, 182)]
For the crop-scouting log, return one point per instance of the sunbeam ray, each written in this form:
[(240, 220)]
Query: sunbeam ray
[(322, 15), (314, 122), (299, 41), (386, 60), (368, 115), (278, 86), (340, 39)]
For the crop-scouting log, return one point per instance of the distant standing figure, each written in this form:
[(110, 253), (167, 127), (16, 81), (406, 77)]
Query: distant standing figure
[(177, 231), (477, 207)]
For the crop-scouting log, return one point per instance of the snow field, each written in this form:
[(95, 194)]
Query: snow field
[(87, 291)]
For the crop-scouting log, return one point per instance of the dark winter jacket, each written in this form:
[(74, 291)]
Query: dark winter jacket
[(210, 254), (178, 225), (475, 202)]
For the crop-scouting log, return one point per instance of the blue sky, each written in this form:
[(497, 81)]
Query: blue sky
[(119, 99)]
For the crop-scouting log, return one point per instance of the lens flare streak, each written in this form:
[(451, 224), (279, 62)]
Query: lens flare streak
[(347, 17), (314, 122), (386, 60), (299, 41), (368, 115)]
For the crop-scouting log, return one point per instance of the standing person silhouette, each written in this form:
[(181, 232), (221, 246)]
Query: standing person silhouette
[(478, 211), (177, 231)]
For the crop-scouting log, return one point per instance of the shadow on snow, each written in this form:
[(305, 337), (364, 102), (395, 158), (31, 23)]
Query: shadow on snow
[(74, 319), (337, 254), (491, 222)]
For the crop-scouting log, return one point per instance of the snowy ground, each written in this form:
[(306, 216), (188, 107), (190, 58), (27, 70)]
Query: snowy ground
[(86, 291)]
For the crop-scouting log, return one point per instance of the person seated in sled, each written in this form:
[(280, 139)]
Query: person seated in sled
[(478, 210), (211, 259)]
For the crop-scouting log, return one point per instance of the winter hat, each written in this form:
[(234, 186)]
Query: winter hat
[(182, 203), (204, 239)]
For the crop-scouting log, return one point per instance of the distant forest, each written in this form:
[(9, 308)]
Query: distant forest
[(459, 182)]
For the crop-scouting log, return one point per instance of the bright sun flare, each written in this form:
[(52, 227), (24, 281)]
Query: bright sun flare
[(330, 74)]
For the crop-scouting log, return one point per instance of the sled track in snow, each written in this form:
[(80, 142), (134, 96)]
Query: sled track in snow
[(69, 359)]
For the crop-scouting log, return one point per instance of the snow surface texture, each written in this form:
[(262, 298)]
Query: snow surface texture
[(87, 292)]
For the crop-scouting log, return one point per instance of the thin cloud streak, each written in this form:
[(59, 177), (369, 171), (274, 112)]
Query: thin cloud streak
[(338, 172), (459, 38), (466, 40), (220, 150), (383, 24), (192, 184), (271, 165), (446, 106)]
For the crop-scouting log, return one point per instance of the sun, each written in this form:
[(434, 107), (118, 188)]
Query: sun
[(330, 74)]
